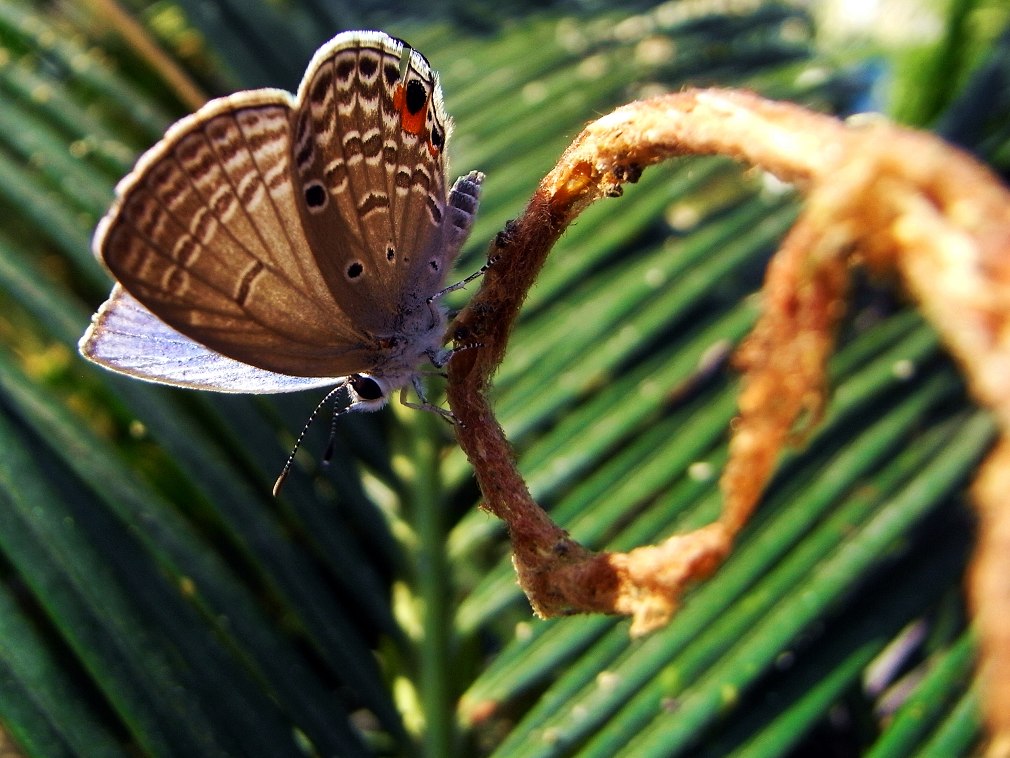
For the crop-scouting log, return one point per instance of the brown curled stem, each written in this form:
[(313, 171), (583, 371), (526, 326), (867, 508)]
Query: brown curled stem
[(557, 574), (900, 202)]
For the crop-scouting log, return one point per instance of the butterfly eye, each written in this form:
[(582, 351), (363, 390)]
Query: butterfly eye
[(365, 387), (316, 196)]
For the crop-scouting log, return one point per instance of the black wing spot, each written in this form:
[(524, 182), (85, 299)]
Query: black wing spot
[(368, 66), (392, 74), (344, 70), (354, 271), (316, 196), (417, 96), (390, 254), (434, 264), (321, 87), (437, 138)]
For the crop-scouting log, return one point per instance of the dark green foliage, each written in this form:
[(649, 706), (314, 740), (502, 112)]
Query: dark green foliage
[(156, 600)]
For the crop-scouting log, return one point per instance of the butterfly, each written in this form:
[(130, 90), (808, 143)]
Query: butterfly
[(273, 242)]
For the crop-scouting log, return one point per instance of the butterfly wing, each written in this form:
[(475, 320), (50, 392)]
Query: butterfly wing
[(126, 337), (206, 234), (369, 162)]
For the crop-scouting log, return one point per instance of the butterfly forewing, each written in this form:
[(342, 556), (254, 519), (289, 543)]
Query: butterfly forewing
[(369, 159), (206, 233)]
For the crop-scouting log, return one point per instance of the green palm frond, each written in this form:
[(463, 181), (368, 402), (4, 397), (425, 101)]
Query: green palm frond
[(155, 599)]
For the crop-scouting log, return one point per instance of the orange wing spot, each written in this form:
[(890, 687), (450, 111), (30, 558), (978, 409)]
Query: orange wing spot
[(411, 122)]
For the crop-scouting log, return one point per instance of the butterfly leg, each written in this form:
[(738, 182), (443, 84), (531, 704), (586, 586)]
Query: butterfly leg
[(463, 282), (424, 405)]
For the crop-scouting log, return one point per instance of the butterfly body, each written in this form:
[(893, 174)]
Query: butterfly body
[(272, 242)]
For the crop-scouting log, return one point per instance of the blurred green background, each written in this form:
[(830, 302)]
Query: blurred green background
[(155, 600)]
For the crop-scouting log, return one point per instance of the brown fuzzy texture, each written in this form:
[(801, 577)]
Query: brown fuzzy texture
[(900, 202)]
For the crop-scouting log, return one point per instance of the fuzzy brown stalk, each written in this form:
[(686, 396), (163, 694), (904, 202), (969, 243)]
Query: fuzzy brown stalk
[(902, 203)]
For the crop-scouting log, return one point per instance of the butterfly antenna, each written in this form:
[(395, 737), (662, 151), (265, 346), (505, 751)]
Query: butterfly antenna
[(301, 436), (331, 442)]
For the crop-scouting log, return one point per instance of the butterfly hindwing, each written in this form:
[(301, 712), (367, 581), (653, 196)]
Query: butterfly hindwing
[(369, 158)]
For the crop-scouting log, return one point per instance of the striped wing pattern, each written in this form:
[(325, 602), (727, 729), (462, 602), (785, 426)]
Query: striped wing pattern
[(371, 134)]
